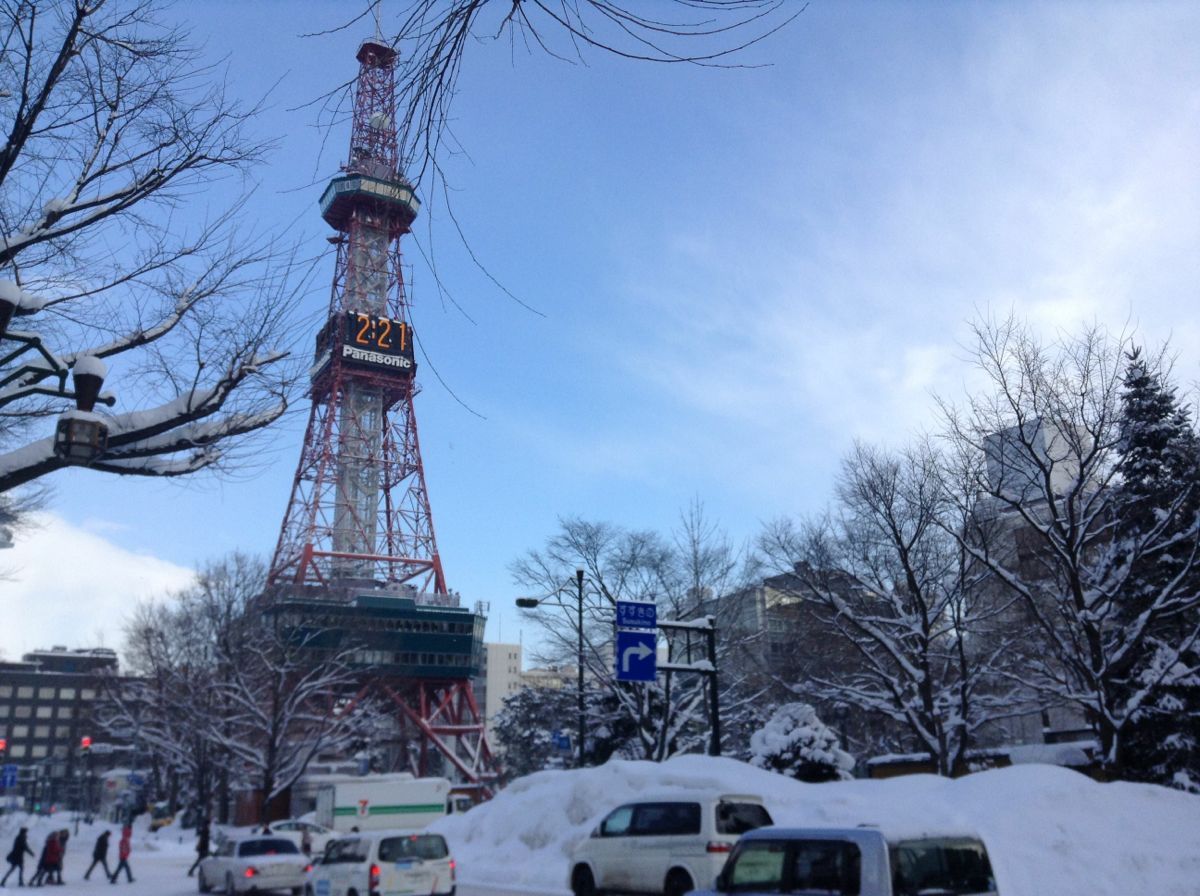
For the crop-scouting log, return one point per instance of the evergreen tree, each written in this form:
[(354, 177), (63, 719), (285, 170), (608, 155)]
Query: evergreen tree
[(798, 744), (525, 729), (1159, 465)]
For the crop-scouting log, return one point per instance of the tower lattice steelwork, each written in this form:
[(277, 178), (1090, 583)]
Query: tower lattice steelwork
[(357, 557)]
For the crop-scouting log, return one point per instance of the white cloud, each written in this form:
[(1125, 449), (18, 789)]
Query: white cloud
[(64, 585)]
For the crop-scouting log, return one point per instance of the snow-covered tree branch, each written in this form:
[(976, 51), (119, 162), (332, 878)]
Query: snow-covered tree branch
[(111, 129)]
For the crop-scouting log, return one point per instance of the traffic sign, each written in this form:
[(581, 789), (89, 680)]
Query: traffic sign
[(561, 741), (636, 656), (636, 614), (8, 777)]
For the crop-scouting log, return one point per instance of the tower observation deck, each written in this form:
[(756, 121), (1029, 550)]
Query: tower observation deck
[(356, 566)]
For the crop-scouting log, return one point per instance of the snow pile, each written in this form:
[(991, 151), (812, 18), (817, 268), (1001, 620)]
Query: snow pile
[(1048, 830)]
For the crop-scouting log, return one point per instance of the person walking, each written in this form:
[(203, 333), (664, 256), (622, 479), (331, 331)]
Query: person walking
[(124, 847), (99, 856), (45, 868), (201, 844), (16, 857), (56, 871)]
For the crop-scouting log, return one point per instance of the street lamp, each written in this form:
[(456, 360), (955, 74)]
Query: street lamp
[(530, 603)]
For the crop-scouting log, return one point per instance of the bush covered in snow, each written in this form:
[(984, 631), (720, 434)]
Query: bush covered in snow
[(796, 743)]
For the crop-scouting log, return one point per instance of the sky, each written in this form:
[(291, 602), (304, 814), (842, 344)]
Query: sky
[(736, 272)]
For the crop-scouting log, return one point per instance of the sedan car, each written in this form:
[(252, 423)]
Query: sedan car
[(296, 830), (258, 864)]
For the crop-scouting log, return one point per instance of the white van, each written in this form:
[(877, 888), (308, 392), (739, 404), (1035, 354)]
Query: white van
[(384, 863), (668, 844)]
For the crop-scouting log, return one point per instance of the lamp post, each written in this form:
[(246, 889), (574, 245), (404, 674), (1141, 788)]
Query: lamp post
[(530, 603)]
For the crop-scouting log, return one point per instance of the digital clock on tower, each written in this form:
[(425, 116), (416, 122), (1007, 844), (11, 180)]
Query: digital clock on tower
[(377, 341)]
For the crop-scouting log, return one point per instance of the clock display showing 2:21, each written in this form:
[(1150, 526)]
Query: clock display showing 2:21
[(378, 334)]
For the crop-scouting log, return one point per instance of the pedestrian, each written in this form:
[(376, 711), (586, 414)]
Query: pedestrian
[(124, 847), (63, 836), (99, 856), (306, 842), (16, 857), (201, 844), (46, 861)]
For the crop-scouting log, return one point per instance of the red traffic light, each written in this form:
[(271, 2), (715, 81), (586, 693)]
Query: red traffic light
[(3, 744), (85, 742)]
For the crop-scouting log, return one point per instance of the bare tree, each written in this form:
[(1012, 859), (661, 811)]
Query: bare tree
[(1054, 528), (227, 696), (113, 131), (885, 578), (681, 577), (434, 36)]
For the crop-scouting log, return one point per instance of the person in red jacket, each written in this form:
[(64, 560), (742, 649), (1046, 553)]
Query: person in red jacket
[(123, 850), (51, 856)]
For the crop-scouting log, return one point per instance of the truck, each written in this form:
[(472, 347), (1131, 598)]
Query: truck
[(376, 802)]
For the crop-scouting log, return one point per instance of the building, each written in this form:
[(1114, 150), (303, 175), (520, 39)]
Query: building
[(47, 705), (499, 679)]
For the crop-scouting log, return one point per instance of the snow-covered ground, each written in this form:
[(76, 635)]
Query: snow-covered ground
[(1049, 831)]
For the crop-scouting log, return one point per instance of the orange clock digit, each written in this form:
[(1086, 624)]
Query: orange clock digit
[(383, 333), (365, 324)]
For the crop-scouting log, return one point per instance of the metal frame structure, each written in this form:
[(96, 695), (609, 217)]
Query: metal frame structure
[(358, 521)]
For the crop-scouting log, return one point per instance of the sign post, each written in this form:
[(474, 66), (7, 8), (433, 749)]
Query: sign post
[(637, 641)]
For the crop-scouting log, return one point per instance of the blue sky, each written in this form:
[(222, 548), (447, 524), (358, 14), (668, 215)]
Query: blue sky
[(738, 271)]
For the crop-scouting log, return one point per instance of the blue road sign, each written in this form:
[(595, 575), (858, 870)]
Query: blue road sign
[(636, 656), (561, 741), (8, 777), (636, 614)]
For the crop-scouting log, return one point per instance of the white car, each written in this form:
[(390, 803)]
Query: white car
[(668, 844), (384, 863), (295, 829), (257, 864)]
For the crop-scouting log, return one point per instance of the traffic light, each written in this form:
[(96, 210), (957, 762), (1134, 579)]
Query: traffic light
[(3, 747), (85, 743)]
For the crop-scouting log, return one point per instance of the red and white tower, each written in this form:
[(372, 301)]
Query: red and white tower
[(358, 531)]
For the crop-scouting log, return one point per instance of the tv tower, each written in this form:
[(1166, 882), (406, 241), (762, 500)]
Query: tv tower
[(357, 552)]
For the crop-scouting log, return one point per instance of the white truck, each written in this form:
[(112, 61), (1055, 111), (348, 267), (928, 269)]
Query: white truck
[(376, 802)]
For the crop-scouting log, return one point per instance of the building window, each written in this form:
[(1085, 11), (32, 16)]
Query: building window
[(67, 694), (65, 712), (38, 751), (87, 694), (45, 712), (41, 731), (20, 731), (59, 752), (23, 712), (25, 693), (5, 709), (62, 732), (45, 693), (5, 690), (17, 751)]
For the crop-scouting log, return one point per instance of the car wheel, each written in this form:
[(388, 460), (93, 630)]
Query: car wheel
[(678, 883), (201, 883), (582, 882)]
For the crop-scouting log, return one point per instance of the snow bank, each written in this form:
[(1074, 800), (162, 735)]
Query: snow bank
[(1048, 830)]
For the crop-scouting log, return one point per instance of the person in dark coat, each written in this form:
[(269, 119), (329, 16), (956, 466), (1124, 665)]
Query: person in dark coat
[(99, 856), (124, 847), (16, 857), (201, 844), (56, 872)]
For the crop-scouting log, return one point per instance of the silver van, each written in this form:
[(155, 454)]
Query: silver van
[(860, 861)]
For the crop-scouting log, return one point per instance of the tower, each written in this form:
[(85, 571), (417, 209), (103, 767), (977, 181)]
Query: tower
[(356, 553)]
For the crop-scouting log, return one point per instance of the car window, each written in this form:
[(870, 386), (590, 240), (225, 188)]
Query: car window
[(737, 818), (826, 866), (617, 822), (284, 826), (945, 865), (267, 847), (415, 846), (664, 819), (345, 851)]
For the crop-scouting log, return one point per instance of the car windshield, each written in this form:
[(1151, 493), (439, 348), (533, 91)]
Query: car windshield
[(415, 846), (737, 818), (807, 867), (949, 867), (267, 847)]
